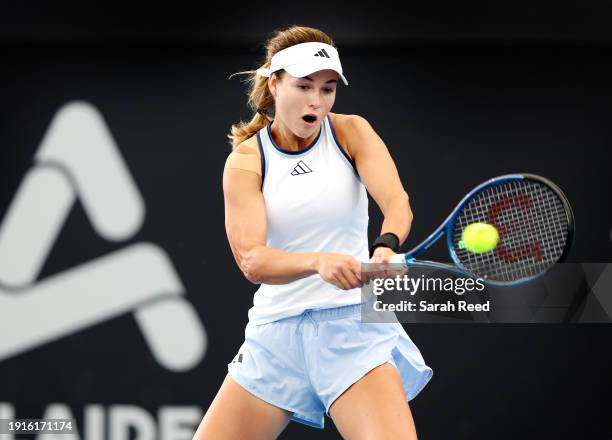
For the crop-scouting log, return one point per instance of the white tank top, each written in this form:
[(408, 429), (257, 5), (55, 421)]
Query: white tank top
[(315, 202)]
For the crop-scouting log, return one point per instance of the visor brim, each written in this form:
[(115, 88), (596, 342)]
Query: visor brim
[(300, 71)]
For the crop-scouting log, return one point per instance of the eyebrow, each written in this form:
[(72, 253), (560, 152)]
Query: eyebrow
[(326, 82)]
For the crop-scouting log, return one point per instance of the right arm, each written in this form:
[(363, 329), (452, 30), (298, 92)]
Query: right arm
[(246, 227)]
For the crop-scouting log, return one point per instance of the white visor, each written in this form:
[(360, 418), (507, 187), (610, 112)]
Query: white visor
[(303, 59)]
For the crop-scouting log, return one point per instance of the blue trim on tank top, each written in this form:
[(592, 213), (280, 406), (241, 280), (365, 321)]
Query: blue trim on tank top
[(339, 146), (263, 159), (293, 153)]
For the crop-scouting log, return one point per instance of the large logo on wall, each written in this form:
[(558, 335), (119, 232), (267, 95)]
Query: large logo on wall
[(79, 160)]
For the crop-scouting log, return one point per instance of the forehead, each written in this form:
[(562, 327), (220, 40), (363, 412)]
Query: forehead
[(322, 76)]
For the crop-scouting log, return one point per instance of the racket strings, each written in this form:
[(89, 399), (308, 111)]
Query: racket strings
[(532, 223)]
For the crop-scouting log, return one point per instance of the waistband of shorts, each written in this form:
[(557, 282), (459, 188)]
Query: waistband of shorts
[(327, 313)]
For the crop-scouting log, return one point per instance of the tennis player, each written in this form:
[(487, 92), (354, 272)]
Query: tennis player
[(296, 215)]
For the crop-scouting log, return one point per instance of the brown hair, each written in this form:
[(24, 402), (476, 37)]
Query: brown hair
[(260, 99)]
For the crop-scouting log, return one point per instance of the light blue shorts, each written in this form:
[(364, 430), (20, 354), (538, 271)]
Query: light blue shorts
[(303, 363)]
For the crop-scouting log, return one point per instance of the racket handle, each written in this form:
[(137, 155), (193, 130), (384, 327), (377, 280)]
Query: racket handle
[(399, 259)]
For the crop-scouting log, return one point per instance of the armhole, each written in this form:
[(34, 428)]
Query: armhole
[(342, 150), (263, 159)]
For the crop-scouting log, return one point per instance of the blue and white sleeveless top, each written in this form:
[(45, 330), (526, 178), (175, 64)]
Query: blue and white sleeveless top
[(315, 202)]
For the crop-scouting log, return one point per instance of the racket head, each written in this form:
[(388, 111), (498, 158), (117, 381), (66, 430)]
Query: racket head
[(534, 220)]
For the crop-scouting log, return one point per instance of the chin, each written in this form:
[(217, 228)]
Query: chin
[(305, 132)]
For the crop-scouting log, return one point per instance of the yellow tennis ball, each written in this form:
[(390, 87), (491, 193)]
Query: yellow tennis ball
[(479, 238)]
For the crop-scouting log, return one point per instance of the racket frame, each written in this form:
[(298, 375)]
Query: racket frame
[(447, 228)]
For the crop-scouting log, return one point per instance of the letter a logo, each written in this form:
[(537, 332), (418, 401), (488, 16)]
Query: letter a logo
[(79, 160)]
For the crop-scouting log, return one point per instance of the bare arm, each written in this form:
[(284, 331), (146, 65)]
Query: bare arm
[(245, 224), (246, 227), (379, 175)]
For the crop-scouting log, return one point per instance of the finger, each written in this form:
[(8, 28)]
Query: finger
[(370, 273), (351, 278), (356, 268), (333, 280), (375, 272), (346, 285)]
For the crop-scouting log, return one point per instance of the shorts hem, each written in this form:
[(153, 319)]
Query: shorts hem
[(390, 360), (418, 389), (297, 416), (354, 380), (420, 371)]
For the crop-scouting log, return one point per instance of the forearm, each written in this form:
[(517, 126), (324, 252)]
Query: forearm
[(263, 264), (397, 217)]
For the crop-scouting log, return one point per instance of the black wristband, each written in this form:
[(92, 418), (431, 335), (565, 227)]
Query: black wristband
[(388, 239)]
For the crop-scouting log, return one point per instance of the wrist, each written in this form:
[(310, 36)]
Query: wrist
[(388, 240), (315, 262)]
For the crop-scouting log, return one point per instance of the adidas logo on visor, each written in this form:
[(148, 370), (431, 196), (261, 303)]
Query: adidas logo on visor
[(322, 53)]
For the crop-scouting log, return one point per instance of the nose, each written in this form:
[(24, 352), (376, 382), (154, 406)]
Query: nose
[(315, 99)]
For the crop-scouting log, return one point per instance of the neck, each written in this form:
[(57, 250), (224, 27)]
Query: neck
[(287, 140)]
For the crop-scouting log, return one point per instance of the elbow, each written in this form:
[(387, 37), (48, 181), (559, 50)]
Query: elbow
[(250, 266), (252, 276)]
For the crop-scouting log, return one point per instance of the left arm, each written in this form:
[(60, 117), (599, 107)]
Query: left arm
[(380, 177)]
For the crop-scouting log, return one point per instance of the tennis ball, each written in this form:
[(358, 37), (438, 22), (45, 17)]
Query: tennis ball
[(479, 238)]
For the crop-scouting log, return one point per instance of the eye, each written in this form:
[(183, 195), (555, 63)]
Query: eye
[(303, 87), (329, 90)]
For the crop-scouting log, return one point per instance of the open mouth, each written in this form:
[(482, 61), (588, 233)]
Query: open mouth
[(310, 119)]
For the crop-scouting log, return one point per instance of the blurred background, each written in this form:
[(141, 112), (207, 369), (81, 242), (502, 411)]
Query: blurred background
[(120, 302)]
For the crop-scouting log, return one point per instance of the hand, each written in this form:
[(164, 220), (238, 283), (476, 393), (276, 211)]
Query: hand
[(341, 270), (381, 255), (380, 265)]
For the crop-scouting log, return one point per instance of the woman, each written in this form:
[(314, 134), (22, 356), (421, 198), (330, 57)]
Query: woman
[(296, 214)]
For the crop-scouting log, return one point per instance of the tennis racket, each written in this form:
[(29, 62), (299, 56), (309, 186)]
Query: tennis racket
[(534, 221)]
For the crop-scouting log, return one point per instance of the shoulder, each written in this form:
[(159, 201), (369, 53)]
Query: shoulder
[(249, 146), (345, 124), (348, 129), (343, 121), (246, 157)]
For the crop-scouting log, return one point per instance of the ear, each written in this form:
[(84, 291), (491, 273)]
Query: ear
[(273, 83)]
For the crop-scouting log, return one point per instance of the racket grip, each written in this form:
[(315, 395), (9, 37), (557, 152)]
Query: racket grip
[(398, 259)]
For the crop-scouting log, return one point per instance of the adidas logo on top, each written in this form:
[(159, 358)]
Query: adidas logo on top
[(322, 53), (300, 168)]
